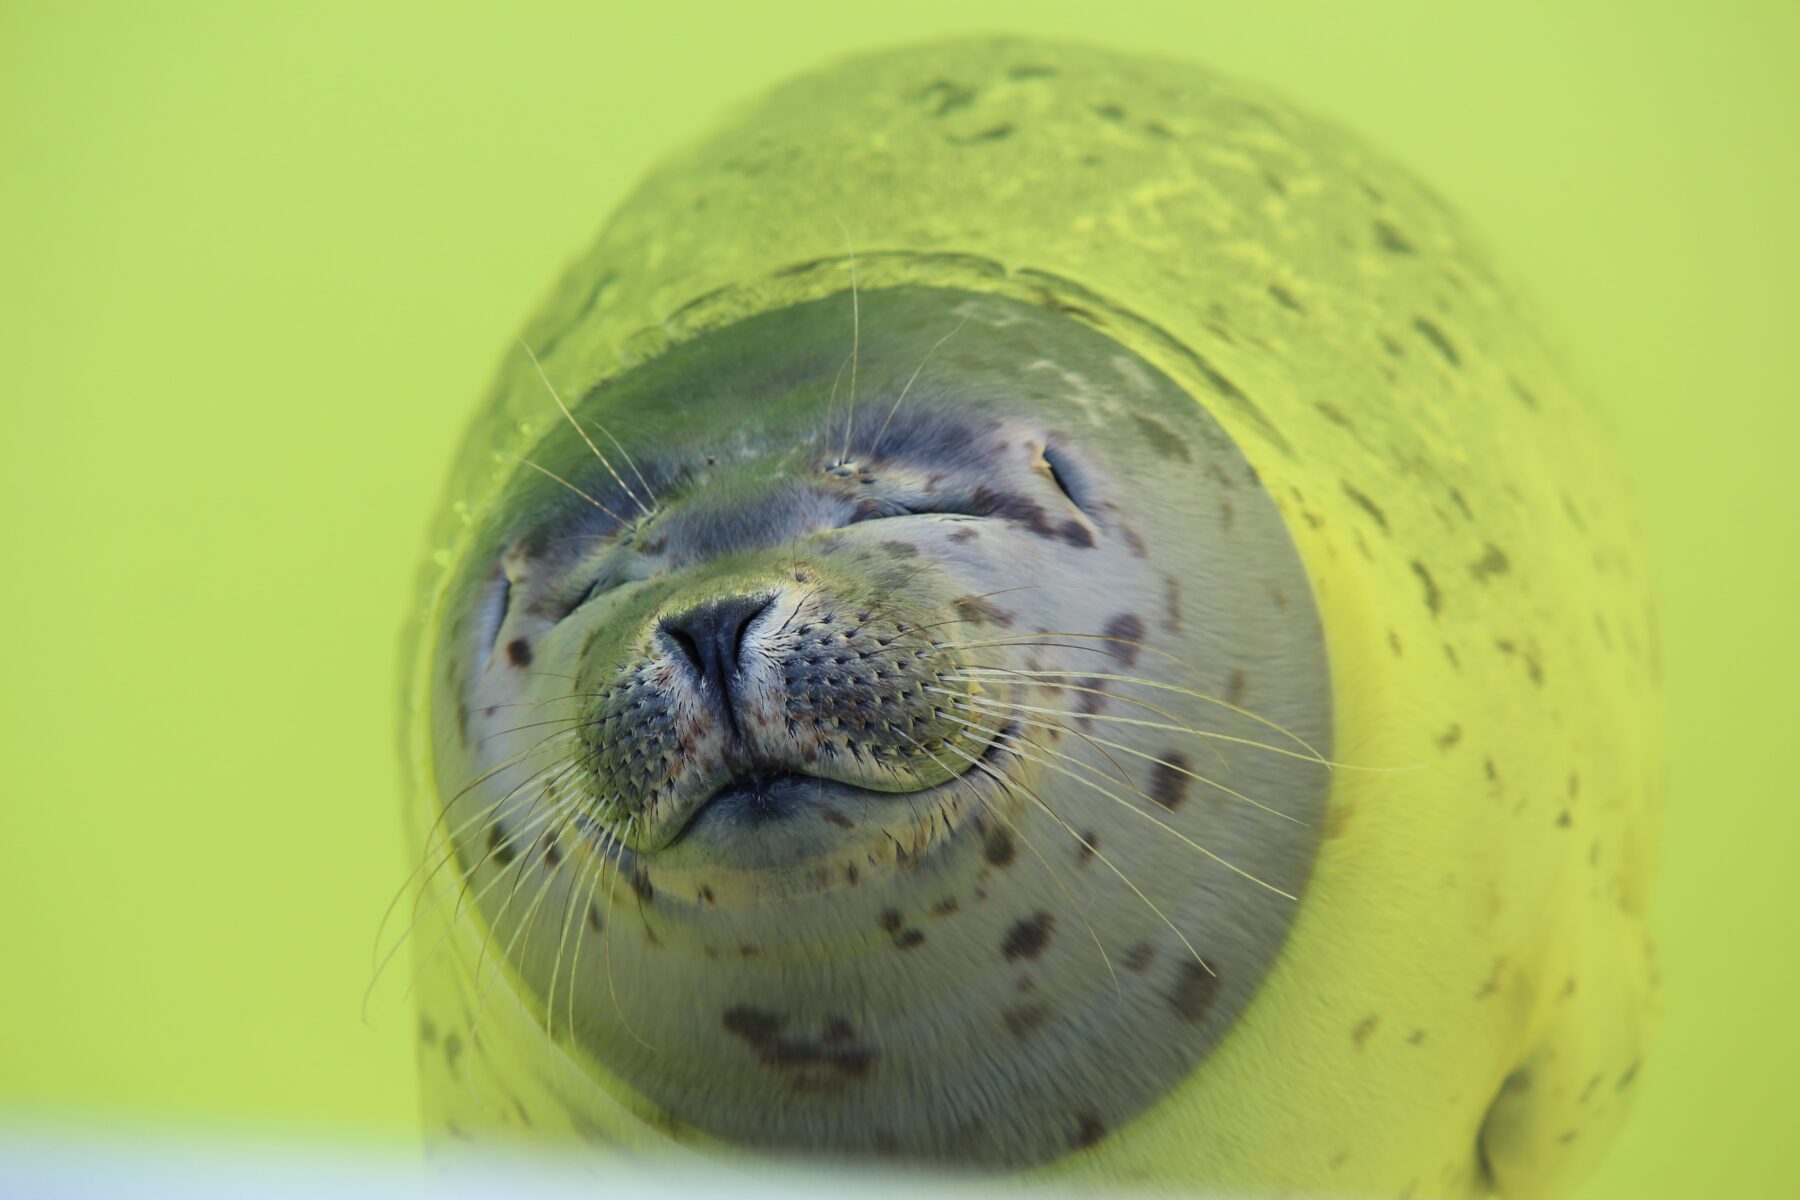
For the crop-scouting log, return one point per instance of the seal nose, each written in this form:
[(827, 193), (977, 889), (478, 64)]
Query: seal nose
[(709, 639)]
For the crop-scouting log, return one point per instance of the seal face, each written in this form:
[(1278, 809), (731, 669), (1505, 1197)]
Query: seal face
[(916, 754)]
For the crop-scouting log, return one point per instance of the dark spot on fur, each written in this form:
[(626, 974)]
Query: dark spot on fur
[(1494, 562), (1134, 543), (946, 906), (1523, 393), (836, 817), (1337, 817), (967, 533), (891, 921), (1434, 599), (1125, 633), (980, 611), (1448, 739), (1028, 937), (836, 1050), (1364, 1028), (906, 939), (593, 917), (1441, 343), (946, 96), (1165, 442), (1031, 71), (518, 652), (453, 1048), (428, 1034), (986, 502), (1367, 505), (1138, 957), (1088, 1131), (500, 847), (1219, 382), (1236, 687), (1172, 603), (1391, 240), (902, 549), (993, 133), (998, 846), (1194, 992), (1333, 414), (1076, 534), (1086, 846), (1023, 1021), (1285, 298), (1091, 695), (1168, 781)]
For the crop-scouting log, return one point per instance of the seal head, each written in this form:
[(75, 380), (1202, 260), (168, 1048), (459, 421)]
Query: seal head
[(915, 749)]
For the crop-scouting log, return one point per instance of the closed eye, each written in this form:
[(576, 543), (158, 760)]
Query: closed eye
[(1068, 478), (490, 615)]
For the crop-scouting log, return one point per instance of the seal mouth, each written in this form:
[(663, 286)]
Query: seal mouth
[(756, 798)]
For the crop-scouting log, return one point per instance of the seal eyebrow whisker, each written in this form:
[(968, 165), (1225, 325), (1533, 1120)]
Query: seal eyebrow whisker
[(617, 478), (831, 401), (552, 474), (882, 432), (626, 455), (855, 341)]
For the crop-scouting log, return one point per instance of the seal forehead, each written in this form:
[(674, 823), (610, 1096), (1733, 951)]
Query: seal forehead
[(966, 740)]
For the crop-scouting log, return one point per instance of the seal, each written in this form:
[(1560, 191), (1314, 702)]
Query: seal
[(1145, 671)]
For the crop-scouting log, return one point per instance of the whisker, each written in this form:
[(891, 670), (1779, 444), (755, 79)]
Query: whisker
[(576, 425), (855, 344), (994, 810), (1148, 816), (1097, 742), (882, 432), (1212, 735), (553, 475), (626, 455), (1160, 686)]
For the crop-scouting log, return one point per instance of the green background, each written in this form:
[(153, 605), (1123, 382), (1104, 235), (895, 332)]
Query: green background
[(257, 263)]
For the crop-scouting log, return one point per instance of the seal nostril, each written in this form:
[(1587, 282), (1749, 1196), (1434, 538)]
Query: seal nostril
[(709, 639), (689, 648)]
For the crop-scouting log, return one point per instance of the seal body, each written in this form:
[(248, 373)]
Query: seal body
[(1142, 670)]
